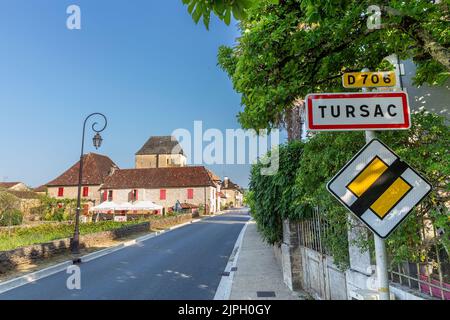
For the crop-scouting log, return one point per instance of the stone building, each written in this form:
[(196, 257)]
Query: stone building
[(160, 152), (96, 168), (163, 186), (232, 194), (14, 186)]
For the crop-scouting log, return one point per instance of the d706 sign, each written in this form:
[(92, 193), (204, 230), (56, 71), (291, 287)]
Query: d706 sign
[(368, 79), (357, 111)]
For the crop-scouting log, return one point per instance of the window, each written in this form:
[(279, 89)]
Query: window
[(190, 193), (60, 192), (85, 191), (110, 195), (134, 195), (162, 194)]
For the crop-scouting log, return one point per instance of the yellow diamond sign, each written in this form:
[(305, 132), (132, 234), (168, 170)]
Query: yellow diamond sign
[(379, 188)]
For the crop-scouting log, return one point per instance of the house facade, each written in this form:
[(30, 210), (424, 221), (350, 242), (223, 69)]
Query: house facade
[(96, 168), (232, 194), (163, 186)]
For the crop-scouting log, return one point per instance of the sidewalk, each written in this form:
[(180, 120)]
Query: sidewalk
[(258, 276)]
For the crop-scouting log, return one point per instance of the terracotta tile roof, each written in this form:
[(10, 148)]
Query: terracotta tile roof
[(96, 168), (213, 176), (161, 145), (154, 178), (42, 188), (230, 185), (8, 185)]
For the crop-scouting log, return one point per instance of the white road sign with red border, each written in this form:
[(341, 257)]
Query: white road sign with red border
[(357, 111)]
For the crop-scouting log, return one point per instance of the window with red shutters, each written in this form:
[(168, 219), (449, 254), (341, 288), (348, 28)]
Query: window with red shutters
[(190, 193), (85, 191), (162, 194), (60, 192)]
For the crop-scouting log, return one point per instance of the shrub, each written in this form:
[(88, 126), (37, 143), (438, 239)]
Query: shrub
[(11, 217), (299, 186), (270, 196), (24, 236)]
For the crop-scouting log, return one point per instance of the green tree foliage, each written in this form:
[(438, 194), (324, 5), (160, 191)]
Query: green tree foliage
[(223, 9), (296, 47), (52, 209), (270, 196), (292, 194)]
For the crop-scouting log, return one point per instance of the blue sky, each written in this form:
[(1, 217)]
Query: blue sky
[(143, 63)]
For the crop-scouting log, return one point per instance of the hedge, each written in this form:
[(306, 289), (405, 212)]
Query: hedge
[(305, 168)]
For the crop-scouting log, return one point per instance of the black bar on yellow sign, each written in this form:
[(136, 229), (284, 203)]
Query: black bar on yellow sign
[(385, 192)]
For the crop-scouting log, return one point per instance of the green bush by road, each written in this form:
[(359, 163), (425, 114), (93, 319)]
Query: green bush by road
[(305, 168), (25, 236)]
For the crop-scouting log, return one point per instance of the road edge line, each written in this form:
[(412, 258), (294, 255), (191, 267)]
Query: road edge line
[(223, 291)]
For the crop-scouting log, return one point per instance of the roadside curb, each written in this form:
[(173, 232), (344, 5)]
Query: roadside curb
[(34, 276), (46, 272), (223, 291)]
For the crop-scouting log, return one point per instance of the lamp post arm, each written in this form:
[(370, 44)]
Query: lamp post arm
[(76, 236)]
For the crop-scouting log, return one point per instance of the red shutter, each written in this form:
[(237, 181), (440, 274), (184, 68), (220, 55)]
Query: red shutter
[(85, 191), (162, 194), (60, 192), (105, 195), (190, 193)]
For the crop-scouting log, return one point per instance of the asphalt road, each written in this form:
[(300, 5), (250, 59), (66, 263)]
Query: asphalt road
[(185, 264)]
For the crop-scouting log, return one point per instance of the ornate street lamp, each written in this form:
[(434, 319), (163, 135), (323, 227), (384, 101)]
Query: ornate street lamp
[(97, 141)]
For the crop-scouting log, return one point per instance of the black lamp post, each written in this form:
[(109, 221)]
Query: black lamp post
[(97, 141)]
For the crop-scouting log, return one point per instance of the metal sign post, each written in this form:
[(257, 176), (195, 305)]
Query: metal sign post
[(380, 245), (378, 187)]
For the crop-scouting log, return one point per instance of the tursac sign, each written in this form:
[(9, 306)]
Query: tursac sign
[(357, 111)]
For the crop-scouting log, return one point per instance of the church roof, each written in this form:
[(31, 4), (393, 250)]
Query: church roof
[(161, 145)]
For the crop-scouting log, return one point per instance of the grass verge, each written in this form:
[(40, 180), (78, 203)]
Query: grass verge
[(20, 237)]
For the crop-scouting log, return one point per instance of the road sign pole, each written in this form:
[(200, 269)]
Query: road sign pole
[(380, 245), (382, 268)]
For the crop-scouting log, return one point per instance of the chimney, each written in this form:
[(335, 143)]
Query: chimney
[(225, 182)]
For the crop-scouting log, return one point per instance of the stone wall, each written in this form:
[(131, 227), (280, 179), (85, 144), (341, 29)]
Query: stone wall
[(170, 221), (164, 161), (10, 260)]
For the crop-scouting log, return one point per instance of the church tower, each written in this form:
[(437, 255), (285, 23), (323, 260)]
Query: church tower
[(160, 152)]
